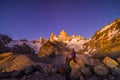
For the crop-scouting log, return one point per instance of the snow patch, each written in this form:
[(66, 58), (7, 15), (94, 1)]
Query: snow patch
[(113, 33), (55, 38), (76, 44), (34, 46), (106, 27), (88, 50)]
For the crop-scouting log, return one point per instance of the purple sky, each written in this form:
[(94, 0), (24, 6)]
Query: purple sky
[(31, 19)]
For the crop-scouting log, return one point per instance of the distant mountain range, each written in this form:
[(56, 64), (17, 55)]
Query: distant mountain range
[(105, 41), (97, 57)]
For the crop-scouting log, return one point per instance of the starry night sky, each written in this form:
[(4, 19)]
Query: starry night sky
[(31, 19)]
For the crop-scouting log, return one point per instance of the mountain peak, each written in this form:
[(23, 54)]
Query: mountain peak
[(117, 20), (63, 34), (52, 37)]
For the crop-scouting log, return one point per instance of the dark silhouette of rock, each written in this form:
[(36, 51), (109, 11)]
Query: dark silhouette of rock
[(115, 71), (4, 40), (111, 77), (22, 49), (29, 69), (5, 75), (38, 68), (17, 74)]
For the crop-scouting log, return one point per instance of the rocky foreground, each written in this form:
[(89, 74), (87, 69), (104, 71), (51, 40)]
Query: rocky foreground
[(85, 68), (38, 72)]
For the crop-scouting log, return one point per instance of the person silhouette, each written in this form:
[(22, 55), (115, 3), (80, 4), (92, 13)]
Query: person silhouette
[(73, 55)]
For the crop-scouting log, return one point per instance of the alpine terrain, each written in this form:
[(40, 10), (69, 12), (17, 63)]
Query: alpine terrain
[(97, 58)]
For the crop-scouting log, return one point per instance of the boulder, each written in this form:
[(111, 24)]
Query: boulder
[(47, 68), (75, 74), (78, 64), (110, 62), (101, 69), (86, 71)]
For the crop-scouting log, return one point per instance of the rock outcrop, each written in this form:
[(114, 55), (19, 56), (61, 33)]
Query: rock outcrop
[(111, 63), (10, 62), (53, 49), (4, 40), (31, 72)]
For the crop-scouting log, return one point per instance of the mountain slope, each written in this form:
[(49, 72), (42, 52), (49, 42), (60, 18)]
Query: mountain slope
[(105, 41), (10, 62)]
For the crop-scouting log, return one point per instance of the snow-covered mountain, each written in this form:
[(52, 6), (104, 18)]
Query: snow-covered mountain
[(72, 42), (105, 41), (34, 46), (76, 42)]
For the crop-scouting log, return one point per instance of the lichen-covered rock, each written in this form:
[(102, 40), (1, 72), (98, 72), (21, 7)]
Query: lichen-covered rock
[(78, 64), (101, 69), (110, 62)]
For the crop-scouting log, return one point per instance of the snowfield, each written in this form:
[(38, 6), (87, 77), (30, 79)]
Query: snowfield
[(76, 43), (34, 46)]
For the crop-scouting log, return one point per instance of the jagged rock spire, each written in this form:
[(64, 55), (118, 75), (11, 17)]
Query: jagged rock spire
[(52, 36), (63, 34), (41, 40)]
